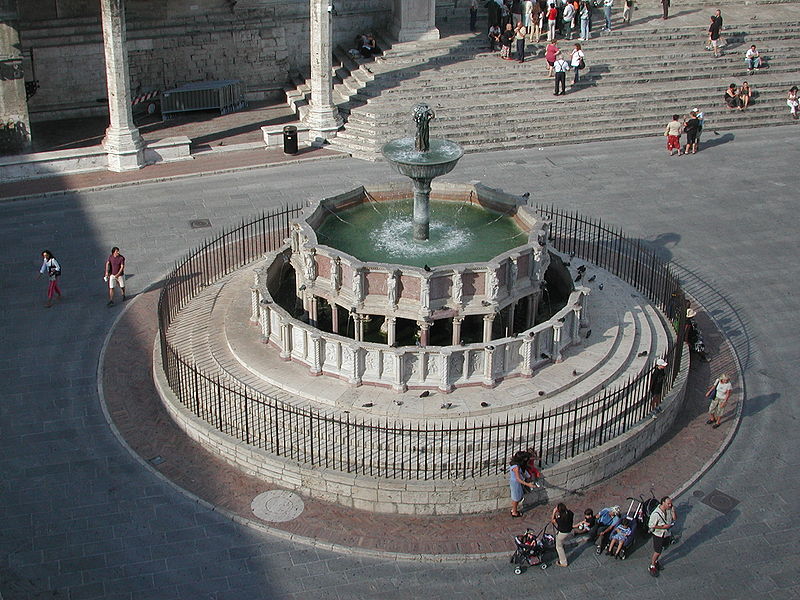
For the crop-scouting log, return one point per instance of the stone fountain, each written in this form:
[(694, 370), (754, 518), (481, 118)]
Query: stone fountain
[(422, 159)]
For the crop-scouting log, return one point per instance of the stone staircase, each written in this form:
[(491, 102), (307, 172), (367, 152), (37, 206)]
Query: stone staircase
[(636, 78)]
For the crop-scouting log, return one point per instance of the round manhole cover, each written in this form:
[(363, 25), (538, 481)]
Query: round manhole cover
[(277, 506)]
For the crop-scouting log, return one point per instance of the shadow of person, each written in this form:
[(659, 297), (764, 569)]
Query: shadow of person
[(718, 140), (706, 533)]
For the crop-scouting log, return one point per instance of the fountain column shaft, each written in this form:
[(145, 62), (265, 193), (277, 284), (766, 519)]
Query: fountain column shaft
[(422, 200)]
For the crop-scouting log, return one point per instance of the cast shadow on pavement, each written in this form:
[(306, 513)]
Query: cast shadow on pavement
[(703, 535), (756, 404), (707, 142)]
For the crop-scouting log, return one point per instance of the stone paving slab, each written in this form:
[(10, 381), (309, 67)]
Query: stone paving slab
[(142, 422)]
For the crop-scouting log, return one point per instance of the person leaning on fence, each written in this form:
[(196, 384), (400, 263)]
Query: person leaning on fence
[(516, 480), (657, 386)]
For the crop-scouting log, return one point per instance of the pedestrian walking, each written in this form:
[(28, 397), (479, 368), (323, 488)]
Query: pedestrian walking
[(560, 66), (662, 519), (673, 133), (52, 268), (665, 9), (713, 35), (792, 101), (627, 9), (563, 520), (659, 373), (719, 393), (691, 128), (114, 274), (473, 16), (519, 36), (551, 52), (506, 39), (701, 117), (607, 6), (577, 60), (552, 16), (585, 16), (567, 18)]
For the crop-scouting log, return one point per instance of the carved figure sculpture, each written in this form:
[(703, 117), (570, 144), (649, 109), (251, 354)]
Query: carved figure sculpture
[(309, 264), (423, 114)]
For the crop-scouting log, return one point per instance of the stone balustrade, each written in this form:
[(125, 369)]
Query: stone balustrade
[(439, 367)]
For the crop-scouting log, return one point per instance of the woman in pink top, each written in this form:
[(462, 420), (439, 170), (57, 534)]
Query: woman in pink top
[(550, 57)]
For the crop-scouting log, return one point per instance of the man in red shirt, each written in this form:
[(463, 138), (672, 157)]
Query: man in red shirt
[(114, 274)]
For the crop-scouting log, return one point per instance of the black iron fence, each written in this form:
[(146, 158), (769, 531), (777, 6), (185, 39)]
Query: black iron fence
[(392, 448)]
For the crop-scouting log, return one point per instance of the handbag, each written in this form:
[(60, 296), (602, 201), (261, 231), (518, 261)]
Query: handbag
[(712, 393), (581, 63)]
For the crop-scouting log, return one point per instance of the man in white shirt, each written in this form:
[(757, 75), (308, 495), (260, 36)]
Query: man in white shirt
[(752, 59), (662, 519), (560, 66)]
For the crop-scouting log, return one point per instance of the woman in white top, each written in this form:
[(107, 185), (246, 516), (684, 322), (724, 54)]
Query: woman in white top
[(719, 392), (577, 62), (52, 269)]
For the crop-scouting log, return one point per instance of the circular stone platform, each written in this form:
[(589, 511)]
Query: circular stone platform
[(138, 417)]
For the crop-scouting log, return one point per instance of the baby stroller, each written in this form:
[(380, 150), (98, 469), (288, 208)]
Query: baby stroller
[(638, 515), (530, 549)]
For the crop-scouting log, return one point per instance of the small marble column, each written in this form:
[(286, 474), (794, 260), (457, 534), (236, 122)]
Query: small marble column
[(488, 367), (335, 318), (323, 117), (313, 306), (424, 330), (391, 330), (359, 327), (488, 320), (122, 143), (13, 100), (457, 321), (556, 349), (511, 313)]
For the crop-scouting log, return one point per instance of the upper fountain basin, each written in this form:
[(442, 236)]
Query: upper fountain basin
[(407, 160)]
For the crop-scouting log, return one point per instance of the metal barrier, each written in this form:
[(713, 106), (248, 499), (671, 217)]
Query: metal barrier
[(225, 96), (390, 448)]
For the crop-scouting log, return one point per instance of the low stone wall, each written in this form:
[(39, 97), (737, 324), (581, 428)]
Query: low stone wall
[(85, 160), (440, 497)]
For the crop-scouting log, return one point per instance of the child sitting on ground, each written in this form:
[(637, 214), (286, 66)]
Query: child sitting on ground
[(589, 520), (618, 536)]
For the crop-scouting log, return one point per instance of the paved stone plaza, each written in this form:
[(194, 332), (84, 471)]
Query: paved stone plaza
[(81, 518)]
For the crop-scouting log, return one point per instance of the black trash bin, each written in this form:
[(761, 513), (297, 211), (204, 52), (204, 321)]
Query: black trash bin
[(290, 139)]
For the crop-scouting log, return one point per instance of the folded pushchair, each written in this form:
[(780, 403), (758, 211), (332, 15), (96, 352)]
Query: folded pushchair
[(530, 547)]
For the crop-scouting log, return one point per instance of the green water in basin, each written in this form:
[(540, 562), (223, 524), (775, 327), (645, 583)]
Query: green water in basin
[(383, 232)]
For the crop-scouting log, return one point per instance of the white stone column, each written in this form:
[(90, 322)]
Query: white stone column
[(414, 20), (457, 321), (13, 100), (323, 117), (122, 143), (391, 330), (488, 320)]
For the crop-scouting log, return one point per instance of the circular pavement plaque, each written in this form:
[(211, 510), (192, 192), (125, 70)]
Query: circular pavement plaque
[(277, 506)]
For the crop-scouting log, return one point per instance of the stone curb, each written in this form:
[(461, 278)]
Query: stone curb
[(166, 178), (737, 419)]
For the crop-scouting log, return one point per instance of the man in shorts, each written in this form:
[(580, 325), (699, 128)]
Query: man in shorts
[(721, 390), (662, 519), (114, 274)]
